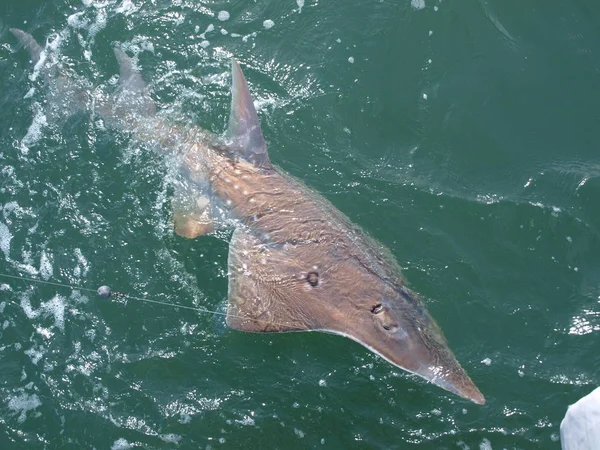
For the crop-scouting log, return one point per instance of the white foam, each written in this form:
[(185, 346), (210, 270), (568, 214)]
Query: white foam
[(209, 28), (5, 238), (351, 60), (44, 332), (27, 308), (33, 229), (100, 23), (38, 65), (83, 263), (582, 183), (12, 208), (54, 307), (487, 361), (120, 444), (138, 44), (299, 433), (35, 353), (171, 438), (300, 4), (417, 4), (91, 334), (247, 420), (485, 445), (268, 24), (46, 270), (245, 38), (204, 43), (34, 132), (127, 7), (223, 16), (26, 267), (76, 21), (23, 403)]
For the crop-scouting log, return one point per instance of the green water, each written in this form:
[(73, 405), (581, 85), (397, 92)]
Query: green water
[(463, 135)]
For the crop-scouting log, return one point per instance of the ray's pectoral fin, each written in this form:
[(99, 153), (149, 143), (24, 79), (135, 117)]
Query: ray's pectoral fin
[(256, 304), (192, 213), (244, 127)]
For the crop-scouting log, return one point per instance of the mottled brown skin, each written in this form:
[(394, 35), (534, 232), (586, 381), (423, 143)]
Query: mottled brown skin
[(289, 237)]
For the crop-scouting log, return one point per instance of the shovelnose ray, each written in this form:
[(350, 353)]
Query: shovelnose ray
[(295, 262)]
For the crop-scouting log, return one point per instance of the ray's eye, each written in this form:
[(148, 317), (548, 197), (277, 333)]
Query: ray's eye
[(377, 308), (390, 327), (312, 278)]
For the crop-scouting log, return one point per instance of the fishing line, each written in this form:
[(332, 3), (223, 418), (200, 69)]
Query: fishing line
[(141, 299), (115, 294)]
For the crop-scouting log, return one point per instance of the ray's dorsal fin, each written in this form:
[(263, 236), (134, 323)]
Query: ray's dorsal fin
[(244, 126), (29, 44)]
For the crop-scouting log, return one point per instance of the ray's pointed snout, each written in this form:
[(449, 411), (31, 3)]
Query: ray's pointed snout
[(435, 362), (461, 386), (401, 330)]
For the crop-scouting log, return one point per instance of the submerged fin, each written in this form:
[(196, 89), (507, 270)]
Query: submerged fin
[(131, 80), (193, 222), (133, 101), (254, 305), (192, 226), (192, 213), (244, 126), (29, 44)]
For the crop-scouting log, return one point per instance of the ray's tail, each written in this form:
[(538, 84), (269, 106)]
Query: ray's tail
[(28, 43), (66, 93), (69, 94)]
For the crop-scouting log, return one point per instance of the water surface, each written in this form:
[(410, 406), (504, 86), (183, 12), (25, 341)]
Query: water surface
[(463, 135)]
